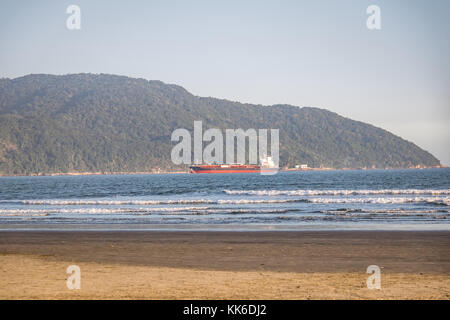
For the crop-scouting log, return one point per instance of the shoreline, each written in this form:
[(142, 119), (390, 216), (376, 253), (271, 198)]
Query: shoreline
[(92, 174), (231, 228), (57, 174), (225, 265)]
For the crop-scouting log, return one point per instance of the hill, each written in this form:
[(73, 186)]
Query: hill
[(108, 123)]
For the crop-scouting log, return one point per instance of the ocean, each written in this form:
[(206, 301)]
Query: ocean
[(309, 200)]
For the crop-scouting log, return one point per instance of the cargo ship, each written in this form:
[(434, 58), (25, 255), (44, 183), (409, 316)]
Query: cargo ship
[(266, 166)]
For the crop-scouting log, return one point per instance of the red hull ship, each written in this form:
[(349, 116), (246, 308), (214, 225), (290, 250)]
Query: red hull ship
[(233, 168), (225, 168)]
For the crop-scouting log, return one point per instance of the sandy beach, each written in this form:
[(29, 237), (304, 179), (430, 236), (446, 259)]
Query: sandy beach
[(225, 265)]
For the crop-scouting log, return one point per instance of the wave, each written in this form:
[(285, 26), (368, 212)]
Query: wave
[(107, 202), (305, 192), (345, 211), (260, 201), (44, 212), (149, 202), (142, 211), (445, 201)]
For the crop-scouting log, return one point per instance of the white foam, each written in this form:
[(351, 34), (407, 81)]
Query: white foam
[(247, 201), (306, 192), (112, 202), (384, 200), (44, 212), (380, 200), (387, 211), (151, 202), (139, 211)]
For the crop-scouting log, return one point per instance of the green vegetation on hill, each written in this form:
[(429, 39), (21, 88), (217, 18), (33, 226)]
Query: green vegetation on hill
[(107, 123)]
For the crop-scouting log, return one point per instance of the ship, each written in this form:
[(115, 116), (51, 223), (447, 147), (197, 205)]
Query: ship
[(267, 166)]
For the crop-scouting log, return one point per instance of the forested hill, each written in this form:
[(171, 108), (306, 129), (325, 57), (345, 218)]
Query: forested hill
[(108, 123)]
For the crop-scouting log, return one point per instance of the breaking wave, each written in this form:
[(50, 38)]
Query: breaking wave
[(141, 211), (444, 201), (301, 192), (109, 202), (346, 211), (150, 202)]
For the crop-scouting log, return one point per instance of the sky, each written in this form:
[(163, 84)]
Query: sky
[(306, 53)]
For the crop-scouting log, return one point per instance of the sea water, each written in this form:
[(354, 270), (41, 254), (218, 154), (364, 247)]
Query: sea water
[(359, 199)]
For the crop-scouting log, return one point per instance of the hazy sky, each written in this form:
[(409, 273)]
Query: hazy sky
[(305, 53)]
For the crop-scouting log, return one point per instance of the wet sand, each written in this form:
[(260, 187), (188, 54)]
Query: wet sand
[(225, 265)]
